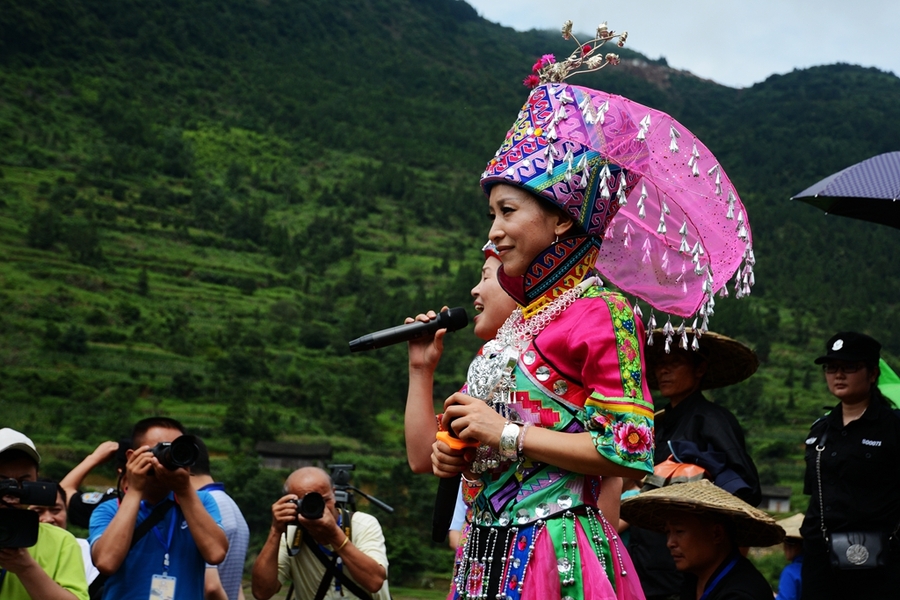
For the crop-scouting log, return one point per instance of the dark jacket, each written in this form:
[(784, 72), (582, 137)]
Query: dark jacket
[(711, 427), (742, 582)]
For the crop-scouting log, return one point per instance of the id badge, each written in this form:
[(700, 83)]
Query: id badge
[(162, 587)]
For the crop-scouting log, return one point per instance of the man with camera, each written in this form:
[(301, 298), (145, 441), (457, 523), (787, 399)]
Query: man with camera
[(323, 561), (37, 560), (168, 559)]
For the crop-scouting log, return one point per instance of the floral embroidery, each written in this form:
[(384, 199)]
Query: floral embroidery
[(633, 438), (627, 344), (622, 430)]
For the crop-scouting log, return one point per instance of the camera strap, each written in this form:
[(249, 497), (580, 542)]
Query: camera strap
[(95, 590), (331, 569)]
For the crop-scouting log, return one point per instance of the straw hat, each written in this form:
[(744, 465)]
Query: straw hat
[(752, 526), (728, 360), (791, 526)]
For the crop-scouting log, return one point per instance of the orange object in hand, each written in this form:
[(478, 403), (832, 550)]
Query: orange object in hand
[(454, 442)]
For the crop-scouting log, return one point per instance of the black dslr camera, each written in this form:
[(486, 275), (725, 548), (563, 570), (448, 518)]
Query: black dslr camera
[(183, 452), (312, 505), (19, 528)]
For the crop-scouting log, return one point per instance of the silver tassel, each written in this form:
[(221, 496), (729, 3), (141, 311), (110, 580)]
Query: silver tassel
[(604, 186), (673, 135), (694, 156), (601, 112), (643, 128)]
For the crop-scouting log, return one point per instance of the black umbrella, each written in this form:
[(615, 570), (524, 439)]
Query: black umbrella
[(869, 190)]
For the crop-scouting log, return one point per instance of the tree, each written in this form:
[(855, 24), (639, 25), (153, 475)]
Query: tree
[(44, 229), (143, 283), (74, 340), (83, 240)]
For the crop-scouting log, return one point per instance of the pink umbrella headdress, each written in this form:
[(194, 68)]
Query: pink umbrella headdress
[(670, 225)]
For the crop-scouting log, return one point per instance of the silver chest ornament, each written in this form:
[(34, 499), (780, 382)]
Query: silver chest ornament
[(490, 374), (490, 378)]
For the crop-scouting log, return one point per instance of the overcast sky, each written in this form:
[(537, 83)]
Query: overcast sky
[(734, 42)]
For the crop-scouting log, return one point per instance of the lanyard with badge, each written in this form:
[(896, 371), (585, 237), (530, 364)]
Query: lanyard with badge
[(162, 587)]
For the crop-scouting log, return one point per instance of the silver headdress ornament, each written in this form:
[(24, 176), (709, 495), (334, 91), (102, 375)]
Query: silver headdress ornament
[(584, 59)]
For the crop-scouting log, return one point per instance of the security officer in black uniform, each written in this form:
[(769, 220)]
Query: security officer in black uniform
[(853, 470)]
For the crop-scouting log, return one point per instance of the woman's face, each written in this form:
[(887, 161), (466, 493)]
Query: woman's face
[(522, 227), (849, 387), (492, 304)]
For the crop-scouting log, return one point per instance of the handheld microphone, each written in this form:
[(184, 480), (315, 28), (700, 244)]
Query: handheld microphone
[(450, 319)]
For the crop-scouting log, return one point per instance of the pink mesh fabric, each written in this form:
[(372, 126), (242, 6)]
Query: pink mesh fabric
[(565, 136), (649, 264)]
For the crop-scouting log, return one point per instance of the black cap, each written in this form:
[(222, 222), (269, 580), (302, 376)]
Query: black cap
[(851, 346)]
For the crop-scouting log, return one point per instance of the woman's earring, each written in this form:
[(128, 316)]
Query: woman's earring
[(557, 240)]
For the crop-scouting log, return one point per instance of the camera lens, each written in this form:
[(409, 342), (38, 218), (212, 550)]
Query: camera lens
[(183, 452), (312, 506)]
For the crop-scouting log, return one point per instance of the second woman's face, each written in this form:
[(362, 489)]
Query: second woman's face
[(492, 304), (522, 227)]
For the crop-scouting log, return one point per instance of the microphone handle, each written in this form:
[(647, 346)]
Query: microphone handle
[(444, 505), (393, 335)]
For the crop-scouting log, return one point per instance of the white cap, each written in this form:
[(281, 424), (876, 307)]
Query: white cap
[(10, 439)]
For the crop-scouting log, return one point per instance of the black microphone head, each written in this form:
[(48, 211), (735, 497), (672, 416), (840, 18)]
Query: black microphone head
[(454, 318)]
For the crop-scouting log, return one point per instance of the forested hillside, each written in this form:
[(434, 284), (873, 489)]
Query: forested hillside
[(202, 202)]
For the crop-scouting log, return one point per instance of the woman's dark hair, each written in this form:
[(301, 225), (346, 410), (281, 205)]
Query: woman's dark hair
[(876, 397)]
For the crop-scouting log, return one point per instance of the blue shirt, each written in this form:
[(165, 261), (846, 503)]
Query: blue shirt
[(789, 583), (231, 571), (145, 559)]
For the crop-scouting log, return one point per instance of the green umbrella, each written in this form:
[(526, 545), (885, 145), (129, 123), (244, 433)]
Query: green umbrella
[(889, 383)]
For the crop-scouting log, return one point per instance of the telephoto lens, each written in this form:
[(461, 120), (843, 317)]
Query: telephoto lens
[(311, 506), (183, 452)]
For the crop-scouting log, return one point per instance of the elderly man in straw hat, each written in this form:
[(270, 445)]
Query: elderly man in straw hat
[(704, 527), (681, 375)]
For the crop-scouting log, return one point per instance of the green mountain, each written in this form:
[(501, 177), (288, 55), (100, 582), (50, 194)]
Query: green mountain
[(202, 202)]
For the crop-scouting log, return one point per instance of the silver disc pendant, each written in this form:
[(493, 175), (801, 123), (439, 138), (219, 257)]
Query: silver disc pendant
[(857, 554)]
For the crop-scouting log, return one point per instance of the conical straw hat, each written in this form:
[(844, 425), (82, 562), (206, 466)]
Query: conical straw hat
[(728, 360), (791, 526), (650, 510)]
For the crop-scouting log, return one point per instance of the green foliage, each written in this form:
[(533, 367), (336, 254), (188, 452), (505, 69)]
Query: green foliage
[(143, 283), (44, 229)]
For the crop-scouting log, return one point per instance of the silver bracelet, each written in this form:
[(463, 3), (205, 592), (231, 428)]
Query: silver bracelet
[(520, 444), (508, 441)]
